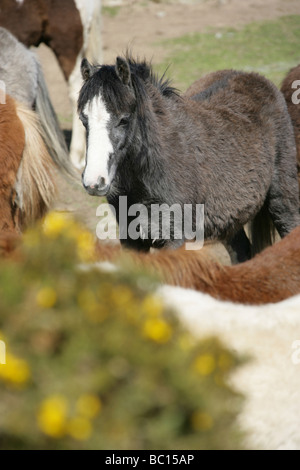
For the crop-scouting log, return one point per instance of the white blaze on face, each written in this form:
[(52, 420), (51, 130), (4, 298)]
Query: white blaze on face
[(99, 145)]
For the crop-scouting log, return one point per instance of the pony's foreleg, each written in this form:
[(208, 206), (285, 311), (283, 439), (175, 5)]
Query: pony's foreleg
[(77, 146), (283, 196), (239, 247), (283, 206)]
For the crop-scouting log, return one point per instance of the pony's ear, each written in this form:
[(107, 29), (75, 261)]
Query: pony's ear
[(123, 70), (87, 69)]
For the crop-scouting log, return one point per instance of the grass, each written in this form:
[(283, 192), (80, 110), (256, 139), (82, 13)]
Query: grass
[(111, 11), (65, 119), (270, 48)]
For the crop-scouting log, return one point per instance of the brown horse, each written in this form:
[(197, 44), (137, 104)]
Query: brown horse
[(271, 276), (27, 179), (71, 28)]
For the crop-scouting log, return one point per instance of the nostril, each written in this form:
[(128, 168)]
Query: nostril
[(101, 182)]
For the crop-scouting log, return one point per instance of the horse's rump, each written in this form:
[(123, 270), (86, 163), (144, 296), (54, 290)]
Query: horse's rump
[(209, 84), (34, 22), (207, 90)]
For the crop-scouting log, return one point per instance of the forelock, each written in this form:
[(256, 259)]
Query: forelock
[(106, 83)]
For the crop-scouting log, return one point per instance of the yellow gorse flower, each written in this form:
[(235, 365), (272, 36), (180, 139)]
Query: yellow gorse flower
[(52, 416), (56, 223), (157, 330), (85, 245), (62, 224), (15, 371), (205, 364), (46, 297)]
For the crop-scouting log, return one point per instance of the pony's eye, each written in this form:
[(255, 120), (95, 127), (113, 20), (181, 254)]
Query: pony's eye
[(124, 120)]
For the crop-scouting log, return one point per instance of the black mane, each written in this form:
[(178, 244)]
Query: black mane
[(145, 71), (142, 72)]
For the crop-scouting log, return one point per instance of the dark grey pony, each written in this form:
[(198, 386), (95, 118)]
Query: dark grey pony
[(227, 143)]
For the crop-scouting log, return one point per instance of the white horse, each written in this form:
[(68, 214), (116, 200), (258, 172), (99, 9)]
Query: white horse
[(270, 335)]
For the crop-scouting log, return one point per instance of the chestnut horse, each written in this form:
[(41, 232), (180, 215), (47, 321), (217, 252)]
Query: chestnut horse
[(271, 276), (72, 29)]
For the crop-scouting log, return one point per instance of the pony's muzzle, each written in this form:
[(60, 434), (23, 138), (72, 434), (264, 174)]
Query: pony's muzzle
[(98, 189)]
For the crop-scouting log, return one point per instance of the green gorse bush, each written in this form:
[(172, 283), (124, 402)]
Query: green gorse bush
[(95, 361)]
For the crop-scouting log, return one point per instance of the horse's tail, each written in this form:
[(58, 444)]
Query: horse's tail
[(52, 134), (261, 231), (35, 184)]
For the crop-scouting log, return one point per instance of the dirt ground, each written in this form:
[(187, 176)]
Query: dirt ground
[(140, 25)]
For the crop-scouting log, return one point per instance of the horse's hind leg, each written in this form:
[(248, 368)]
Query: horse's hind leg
[(283, 195)]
